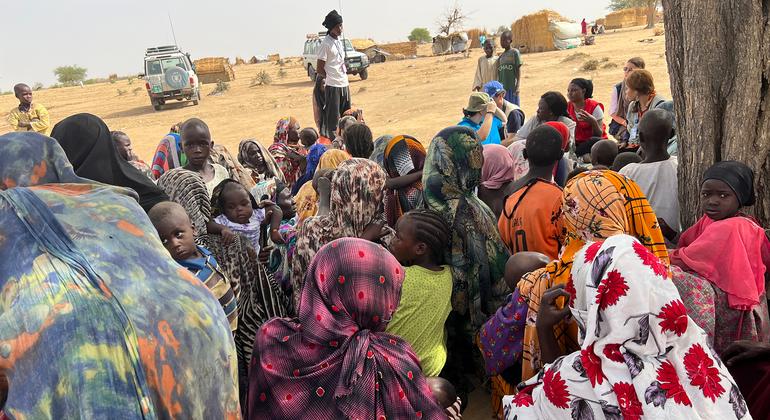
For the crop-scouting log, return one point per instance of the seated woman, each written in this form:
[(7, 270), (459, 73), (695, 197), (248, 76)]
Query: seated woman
[(261, 166), (640, 355), (355, 211), (596, 205), (551, 108), (496, 178), (84, 317), (88, 144), (588, 115), (306, 198), (640, 88), (221, 156), (286, 149), (403, 160), (736, 268), (335, 360), (476, 254)]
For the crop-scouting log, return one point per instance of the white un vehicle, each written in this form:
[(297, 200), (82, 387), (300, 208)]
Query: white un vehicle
[(169, 74), (356, 62)]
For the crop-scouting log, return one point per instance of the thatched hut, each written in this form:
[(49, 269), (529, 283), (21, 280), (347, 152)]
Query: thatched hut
[(474, 37), (214, 69), (626, 18), (545, 30), (362, 44)]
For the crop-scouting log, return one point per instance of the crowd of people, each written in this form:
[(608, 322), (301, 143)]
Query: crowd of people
[(333, 274)]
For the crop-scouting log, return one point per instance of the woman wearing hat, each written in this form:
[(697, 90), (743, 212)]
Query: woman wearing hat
[(730, 250), (483, 116), (514, 116)]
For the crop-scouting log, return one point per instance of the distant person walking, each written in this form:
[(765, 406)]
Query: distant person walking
[(584, 27), (486, 69), (509, 68), (332, 78), (28, 116)]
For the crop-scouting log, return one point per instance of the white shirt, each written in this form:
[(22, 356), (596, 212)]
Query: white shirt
[(658, 182), (332, 52)]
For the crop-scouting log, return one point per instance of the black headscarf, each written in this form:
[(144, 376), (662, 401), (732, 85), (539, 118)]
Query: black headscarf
[(86, 140), (332, 19), (738, 176)]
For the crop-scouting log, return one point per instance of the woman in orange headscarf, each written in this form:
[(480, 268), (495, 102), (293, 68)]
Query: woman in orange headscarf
[(306, 199)]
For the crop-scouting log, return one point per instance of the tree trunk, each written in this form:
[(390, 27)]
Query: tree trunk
[(652, 6), (718, 54)]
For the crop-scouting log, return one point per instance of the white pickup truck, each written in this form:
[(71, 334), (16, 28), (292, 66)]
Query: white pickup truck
[(169, 74), (356, 62)]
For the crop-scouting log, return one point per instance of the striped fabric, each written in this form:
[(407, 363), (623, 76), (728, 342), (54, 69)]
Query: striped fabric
[(206, 269)]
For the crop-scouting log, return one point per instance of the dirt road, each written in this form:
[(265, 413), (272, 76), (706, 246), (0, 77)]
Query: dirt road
[(418, 97)]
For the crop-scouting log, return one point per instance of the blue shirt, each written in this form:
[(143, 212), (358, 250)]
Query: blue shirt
[(494, 133)]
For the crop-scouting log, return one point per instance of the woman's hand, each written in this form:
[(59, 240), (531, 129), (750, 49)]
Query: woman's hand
[(264, 254), (265, 204), (549, 314), (745, 350), (375, 231), (582, 115)]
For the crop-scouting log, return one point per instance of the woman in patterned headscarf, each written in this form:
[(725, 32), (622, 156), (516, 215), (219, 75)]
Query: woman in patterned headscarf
[(640, 354), (261, 166), (403, 159), (91, 298), (356, 203), (335, 359), (476, 254), (597, 205), (285, 148), (307, 197)]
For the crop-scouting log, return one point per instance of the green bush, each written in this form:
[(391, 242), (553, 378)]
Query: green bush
[(70, 75), (421, 35)]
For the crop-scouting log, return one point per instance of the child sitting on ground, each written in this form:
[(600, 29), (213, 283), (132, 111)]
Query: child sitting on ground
[(176, 234), (603, 154), (730, 250), (421, 238), (309, 136), (235, 208), (501, 337)]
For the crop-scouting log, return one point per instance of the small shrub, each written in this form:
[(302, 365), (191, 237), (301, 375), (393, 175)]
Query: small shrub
[(262, 78), (137, 90), (113, 78), (37, 86), (220, 89), (281, 73), (604, 59), (590, 65), (130, 80), (281, 62), (122, 92), (610, 66)]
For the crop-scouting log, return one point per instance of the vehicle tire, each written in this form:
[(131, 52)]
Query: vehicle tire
[(364, 74), (156, 106), (311, 72), (197, 98)]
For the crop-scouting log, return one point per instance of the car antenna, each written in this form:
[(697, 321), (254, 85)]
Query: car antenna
[(172, 28), (342, 35)]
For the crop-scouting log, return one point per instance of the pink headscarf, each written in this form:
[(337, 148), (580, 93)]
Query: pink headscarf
[(335, 360), (498, 167), (732, 254)]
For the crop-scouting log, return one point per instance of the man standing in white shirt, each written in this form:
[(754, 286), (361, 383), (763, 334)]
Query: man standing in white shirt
[(332, 75)]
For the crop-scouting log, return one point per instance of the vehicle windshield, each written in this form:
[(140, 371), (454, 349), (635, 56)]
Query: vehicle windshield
[(348, 46), (161, 65)]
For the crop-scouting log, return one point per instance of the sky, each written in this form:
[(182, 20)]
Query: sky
[(107, 36)]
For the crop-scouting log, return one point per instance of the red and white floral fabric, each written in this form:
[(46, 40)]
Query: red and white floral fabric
[(641, 355)]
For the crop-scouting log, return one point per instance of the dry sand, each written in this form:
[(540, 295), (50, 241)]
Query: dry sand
[(417, 97)]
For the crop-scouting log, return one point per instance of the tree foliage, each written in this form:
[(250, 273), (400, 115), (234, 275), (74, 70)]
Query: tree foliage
[(69, 75), (420, 35), (630, 4)]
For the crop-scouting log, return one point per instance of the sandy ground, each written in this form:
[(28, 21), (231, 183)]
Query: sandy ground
[(418, 97)]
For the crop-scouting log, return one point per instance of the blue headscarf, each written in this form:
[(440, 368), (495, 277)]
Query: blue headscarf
[(313, 158)]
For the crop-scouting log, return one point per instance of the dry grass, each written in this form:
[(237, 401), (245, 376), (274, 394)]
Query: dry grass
[(578, 56), (590, 65)]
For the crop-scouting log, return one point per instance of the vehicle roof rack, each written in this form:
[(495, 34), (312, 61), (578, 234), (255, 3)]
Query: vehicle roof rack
[(162, 50)]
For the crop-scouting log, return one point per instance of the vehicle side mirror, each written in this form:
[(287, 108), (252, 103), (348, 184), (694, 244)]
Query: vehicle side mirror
[(140, 76)]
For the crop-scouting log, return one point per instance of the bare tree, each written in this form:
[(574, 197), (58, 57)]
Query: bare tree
[(452, 19), (721, 92)]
